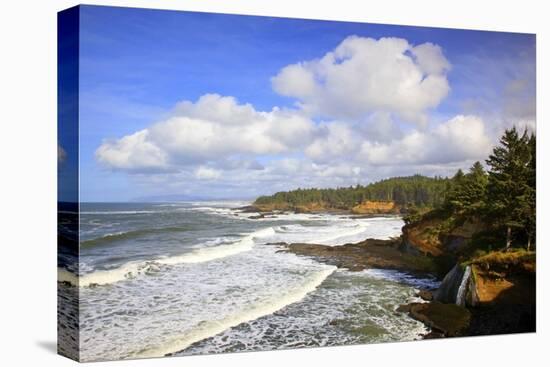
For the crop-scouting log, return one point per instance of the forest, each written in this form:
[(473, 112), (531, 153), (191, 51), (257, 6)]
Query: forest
[(417, 190)]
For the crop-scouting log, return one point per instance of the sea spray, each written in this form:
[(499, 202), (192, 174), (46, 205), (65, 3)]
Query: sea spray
[(181, 273), (211, 328), (132, 269)]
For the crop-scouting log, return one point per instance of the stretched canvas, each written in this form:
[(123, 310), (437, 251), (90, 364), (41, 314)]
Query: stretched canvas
[(233, 183)]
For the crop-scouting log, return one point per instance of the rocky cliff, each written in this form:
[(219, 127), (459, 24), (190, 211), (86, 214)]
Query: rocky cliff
[(497, 288), (376, 207)]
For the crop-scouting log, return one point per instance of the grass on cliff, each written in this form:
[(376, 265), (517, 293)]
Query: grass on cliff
[(515, 261)]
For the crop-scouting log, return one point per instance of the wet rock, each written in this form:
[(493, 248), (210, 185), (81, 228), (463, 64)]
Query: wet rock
[(403, 308), (259, 216), (248, 209), (448, 289), (447, 319), (425, 295), (371, 253), (434, 335)]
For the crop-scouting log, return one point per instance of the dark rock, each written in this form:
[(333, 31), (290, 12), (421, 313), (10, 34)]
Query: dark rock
[(259, 216), (454, 243), (448, 319), (503, 319), (408, 248), (371, 253), (248, 209), (425, 295), (448, 289), (404, 308), (434, 335)]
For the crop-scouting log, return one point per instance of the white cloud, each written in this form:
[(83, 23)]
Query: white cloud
[(458, 139), (336, 139), (365, 91), (205, 173), (135, 152), (380, 127), (364, 75), (213, 128)]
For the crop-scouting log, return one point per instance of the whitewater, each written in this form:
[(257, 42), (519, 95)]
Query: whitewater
[(194, 278)]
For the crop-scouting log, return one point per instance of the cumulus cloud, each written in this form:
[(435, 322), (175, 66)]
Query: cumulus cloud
[(206, 173), (213, 128), (458, 139), (363, 75), (380, 127), (350, 126), (135, 152), (336, 139)]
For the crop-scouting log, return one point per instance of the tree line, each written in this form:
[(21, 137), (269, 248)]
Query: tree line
[(504, 194), (414, 190)]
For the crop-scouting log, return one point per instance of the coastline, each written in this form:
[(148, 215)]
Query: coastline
[(510, 310), (402, 254)]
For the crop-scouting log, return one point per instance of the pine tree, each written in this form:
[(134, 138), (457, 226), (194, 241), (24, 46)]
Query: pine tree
[(476, 189), (507, 186), (529, 212), (468, 191)]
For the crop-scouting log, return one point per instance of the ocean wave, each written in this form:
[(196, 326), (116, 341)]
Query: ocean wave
[(427, 282), (132, 269), (121, 212), (122, 235), (236, 213), (210, 328), (331, 235)]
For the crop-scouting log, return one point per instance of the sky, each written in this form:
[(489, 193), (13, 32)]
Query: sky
[(211, 106)]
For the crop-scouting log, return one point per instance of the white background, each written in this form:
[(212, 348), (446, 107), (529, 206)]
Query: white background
[(28, 152)]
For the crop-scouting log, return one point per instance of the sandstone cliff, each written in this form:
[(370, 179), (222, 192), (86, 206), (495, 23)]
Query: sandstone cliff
[(376, 207)]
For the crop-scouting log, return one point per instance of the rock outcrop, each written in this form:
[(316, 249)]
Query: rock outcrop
[(458, 287), (376, 207), (371, 253), (445, 319)]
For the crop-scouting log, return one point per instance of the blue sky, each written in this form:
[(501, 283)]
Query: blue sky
[(318, 125)]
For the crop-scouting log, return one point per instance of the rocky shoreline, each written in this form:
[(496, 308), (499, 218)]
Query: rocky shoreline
[(388, 254), (472, 299), (370, 253), (364, 208)]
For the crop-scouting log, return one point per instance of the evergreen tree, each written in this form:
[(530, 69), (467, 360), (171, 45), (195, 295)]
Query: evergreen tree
[(528, 202), (508, 181), (468, 191), (476, 189), (414, 190)]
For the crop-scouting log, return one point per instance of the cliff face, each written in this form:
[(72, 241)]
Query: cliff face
[(458, 287), (366, 207), (449, 288), (505, 278), (496, 287), (494, 279), (376, 207), (439, 235), (422, 238)]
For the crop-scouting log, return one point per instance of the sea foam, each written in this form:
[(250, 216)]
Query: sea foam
[(255, 311), (132, 269)]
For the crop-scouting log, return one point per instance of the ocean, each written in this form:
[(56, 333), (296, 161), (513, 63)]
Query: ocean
[(187, 278)]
